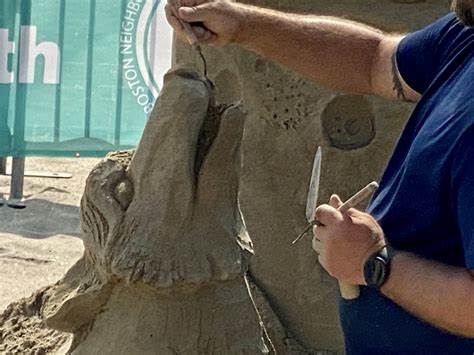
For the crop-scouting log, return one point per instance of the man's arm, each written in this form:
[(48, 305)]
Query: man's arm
[(336, 53), (436, 293)]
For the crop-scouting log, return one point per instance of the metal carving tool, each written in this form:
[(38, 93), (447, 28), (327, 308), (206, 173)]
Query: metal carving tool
[(348, 292), (312, 200), (190, 35), (356, 199)]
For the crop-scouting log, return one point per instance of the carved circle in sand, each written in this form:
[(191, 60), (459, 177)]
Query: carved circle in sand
[(348, 122)]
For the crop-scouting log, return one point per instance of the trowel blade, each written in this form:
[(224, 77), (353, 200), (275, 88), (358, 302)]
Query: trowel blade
[(314, 187)]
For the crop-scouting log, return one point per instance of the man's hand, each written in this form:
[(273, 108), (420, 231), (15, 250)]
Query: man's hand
[(214, 22), (346, 241)]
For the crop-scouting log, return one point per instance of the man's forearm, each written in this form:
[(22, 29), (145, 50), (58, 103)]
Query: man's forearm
[(337, 53), (438, 294)]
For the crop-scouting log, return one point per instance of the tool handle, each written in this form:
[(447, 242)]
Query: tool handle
[(188, 31), (359, 197), (349, 292), (352, 292)]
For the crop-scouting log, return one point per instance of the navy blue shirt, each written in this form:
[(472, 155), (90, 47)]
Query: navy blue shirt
[(425, 204)]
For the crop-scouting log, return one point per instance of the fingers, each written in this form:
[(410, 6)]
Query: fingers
[(361, 216), (317, 245), (335, 201), (190, 3), (194, 13), (172, 19), (188, 11), (203, 35), (328, 215)]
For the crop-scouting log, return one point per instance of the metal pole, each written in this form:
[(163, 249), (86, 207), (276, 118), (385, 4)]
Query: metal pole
[(3, 165), (3, 171), (16, 188), (18, 162), (57, 114), (90, 63), (8, 10)]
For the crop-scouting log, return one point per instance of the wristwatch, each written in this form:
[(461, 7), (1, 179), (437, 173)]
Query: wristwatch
[(377, 267)]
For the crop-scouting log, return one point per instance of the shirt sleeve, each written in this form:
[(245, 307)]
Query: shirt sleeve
[(422, 55), (462, 193)]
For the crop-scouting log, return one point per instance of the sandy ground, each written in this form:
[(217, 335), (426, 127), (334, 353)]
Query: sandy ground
[(40, 243)]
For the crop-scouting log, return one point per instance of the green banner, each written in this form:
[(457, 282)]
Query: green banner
[(78, 77)]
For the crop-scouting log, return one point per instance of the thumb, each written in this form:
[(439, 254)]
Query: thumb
[(328, 215), (335, 201), (194, 13)]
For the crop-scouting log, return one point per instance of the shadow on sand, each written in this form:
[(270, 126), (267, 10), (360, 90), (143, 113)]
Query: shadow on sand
[(41, 219)]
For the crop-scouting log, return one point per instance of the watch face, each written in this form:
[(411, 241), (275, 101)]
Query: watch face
[(375, 271), (379, 269)]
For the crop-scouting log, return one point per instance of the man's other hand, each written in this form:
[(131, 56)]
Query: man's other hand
[(346, 241), (214, 22)]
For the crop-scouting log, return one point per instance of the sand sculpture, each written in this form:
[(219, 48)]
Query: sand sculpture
[(166, 262), (167, 249)]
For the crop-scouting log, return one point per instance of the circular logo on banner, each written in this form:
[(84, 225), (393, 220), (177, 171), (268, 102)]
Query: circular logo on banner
[(142, 53)]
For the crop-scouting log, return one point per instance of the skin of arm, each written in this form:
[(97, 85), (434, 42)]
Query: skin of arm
[(336, 53), (436, 293)]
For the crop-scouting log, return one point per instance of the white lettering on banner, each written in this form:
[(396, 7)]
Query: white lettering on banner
[(29, 52), (132, 72), (6, 49)]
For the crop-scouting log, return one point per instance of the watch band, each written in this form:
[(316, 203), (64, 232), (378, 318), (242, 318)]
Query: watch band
[(377, 267)]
